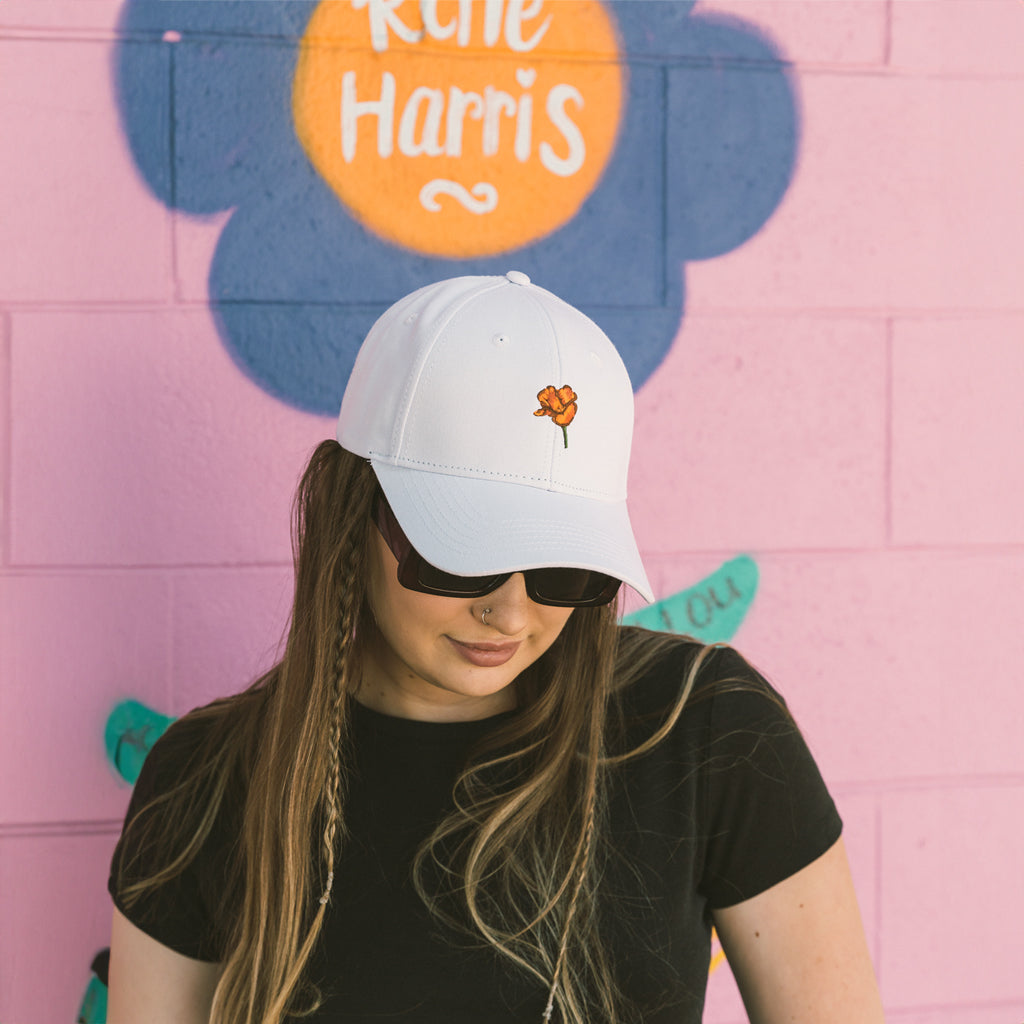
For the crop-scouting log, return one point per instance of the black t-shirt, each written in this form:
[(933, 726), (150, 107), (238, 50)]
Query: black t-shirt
[(727, 806)]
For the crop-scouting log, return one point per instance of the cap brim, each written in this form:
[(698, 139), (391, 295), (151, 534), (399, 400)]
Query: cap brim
[(473, 526)]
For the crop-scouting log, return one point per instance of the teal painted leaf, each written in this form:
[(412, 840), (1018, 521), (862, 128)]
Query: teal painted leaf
[(710, 611), (94, 1003), (132, 729)]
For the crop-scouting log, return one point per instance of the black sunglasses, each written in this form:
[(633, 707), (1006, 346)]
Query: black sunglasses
[(562, 587)]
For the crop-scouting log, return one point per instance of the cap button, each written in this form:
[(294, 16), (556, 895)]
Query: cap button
[(517, 277)]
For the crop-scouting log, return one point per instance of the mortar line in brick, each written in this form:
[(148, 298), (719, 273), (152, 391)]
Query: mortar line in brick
[(7, 451), (86, 306), (663, 248), (982, 550), (939, 547), (898, 74), (868, 68), (44, 569), (170, 625), (6, 398), (737, 312), (85, 34), (59, 829), (6, 454), (710, 312), (910, 783), (887, 457), (915, 1010), (172, 242), (172, 152), (988, 548), (43, 34), (34, 34)]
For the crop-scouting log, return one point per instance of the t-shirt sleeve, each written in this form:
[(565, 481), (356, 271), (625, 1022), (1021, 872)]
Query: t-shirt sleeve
[(180, 912), (769, 811)]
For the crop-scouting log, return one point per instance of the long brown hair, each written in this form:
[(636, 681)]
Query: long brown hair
[(512, 863)]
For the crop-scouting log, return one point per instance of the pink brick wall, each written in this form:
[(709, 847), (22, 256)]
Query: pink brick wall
[(843, 403)]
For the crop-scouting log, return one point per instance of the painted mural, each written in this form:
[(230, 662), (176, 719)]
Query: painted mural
[(364, 148), (838, 370)]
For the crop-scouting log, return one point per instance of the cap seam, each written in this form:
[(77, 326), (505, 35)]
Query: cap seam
[(478, 473), (557, 372), (413, 380)]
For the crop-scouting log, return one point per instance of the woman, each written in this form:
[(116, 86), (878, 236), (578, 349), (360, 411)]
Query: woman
[(466, 794)]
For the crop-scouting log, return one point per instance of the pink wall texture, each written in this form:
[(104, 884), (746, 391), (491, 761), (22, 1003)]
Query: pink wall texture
[(843, 403)]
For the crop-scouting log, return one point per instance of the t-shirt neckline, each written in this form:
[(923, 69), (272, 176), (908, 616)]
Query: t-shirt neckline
[(419, 729)]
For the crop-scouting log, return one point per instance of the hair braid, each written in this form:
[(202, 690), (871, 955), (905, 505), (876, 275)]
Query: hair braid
[(350, 563), (332, 796)]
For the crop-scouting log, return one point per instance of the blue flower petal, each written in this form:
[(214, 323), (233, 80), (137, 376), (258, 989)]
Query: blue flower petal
[(707, 149)]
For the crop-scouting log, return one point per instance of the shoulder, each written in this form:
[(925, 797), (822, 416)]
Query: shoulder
[(175, 865), (195, 774), (707, 692), (222, 731), (186, 748), (707, 716), (179, 746)]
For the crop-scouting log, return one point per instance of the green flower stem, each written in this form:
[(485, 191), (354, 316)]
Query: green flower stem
[(565, 437)]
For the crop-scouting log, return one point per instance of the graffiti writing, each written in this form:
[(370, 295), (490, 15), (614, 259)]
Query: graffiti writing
[(712, 610), (701, 606), (397, 104), (385, 17)]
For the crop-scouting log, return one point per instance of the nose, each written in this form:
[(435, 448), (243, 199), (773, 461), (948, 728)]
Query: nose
[(509, 606)]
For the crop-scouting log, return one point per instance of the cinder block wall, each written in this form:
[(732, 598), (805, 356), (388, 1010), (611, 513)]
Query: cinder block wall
[(842, 403)]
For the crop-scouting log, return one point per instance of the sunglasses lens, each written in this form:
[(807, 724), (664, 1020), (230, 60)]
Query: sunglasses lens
[(436, 580), (572, 586)]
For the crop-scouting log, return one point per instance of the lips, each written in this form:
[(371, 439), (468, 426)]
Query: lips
[(485, 655)]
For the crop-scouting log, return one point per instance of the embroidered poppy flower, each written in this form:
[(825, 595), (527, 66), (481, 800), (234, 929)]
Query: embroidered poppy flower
[(560, 405)]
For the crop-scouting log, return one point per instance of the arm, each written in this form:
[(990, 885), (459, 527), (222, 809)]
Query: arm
[(798, 951), (149, 982)]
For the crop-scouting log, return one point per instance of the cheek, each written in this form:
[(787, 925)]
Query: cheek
[(387, 596), (389, 600), (555, 620), (375, 587), (399, 612)]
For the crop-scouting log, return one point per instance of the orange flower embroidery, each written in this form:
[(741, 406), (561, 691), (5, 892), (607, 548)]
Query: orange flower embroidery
[(560, 405)]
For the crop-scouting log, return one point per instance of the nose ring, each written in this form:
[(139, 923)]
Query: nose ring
[(484, 614)]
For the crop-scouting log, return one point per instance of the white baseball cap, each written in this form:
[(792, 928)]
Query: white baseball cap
[(498, 420)]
